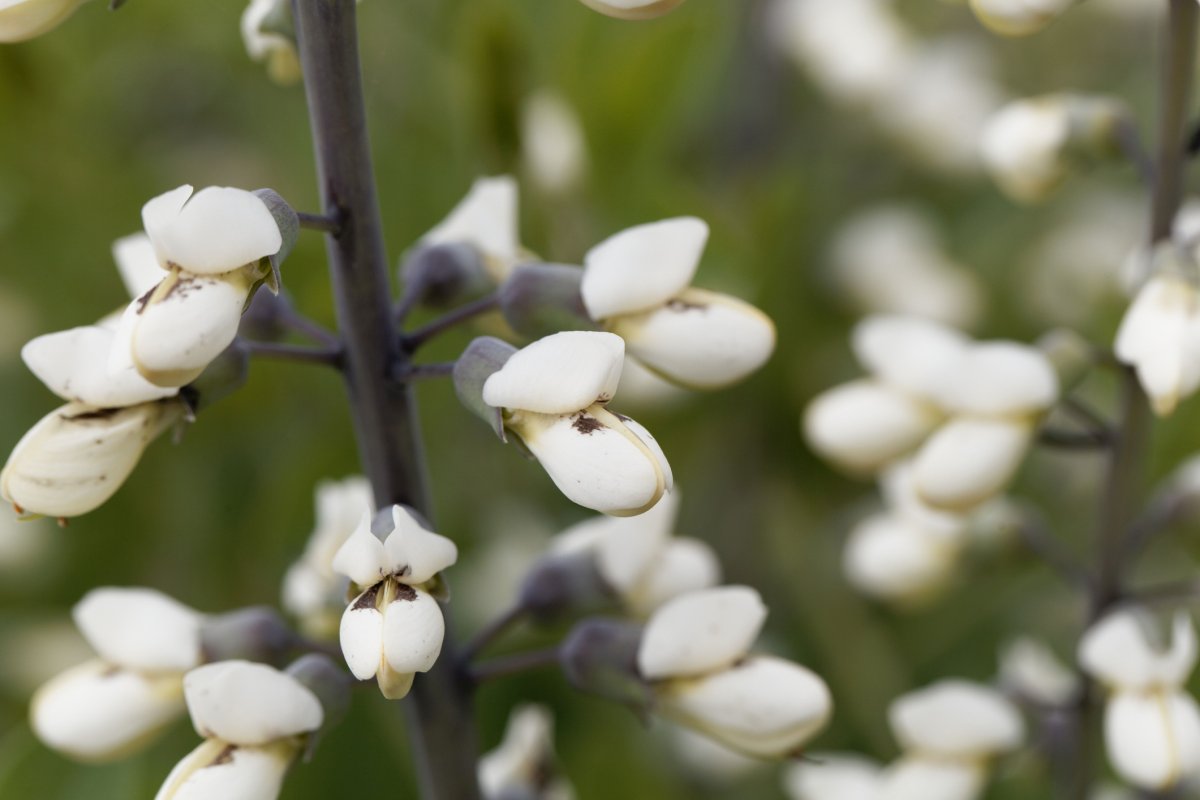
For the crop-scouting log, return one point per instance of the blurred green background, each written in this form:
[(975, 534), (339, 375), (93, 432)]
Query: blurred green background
[(692, 114)]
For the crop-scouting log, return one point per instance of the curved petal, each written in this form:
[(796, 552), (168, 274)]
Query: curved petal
[(1001, 378), (864, 425), (160, 213), (413, 630), (642, 267), (558, 374), (921, 778), (969, 460), (1117, 651), (624, 547), (218, 230), (958, 720), (632, 9), (889, 558), (699, 339), (487, 220), (74, 365), (96, 712), (217, 770), (1159, 336), (910, 353), (1153, 740), (362, 557), (140, 629), (249, 704), (1018, 17), (361, 635), (683, 566), (137, 263), (415, 554), (831, 776), (700, 632)]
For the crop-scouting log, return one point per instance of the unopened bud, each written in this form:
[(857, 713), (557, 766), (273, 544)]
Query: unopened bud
[(483, 357), (289, 229), (250, 634), (563, 586), (330, 683), (439, 275), (540, 299), (599, 656)]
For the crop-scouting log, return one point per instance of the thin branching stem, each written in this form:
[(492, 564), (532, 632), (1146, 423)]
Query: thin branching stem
[(422, 372), (490, 632), (449, 321), (516, 664), (280, 351), (325, 223)]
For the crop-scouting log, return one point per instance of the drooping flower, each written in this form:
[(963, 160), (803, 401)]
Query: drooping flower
[(554, 395), (636, 284), (1160, 337), (25, 19), (263, 27), (523, 765), (1151, 723), (394, 627), (1019, 17), (106, 708)]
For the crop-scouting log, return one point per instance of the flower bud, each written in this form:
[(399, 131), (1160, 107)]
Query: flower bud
[(632, 9), (564, 585), (253, 634), (701, 632), (483, 357), (956, 720), (76, 457), (25, 19), (486, 219), (1019, 17), (540, 299), (217, 770), (834, 776), (599, 656), (523, 765), (243, 703), (269, 35), (440, 274)]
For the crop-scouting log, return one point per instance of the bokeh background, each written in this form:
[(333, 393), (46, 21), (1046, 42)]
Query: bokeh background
[(701, 112)]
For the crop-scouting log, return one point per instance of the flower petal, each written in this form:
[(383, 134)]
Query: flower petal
[(833, 776), (700, 339), (140, 629), (362, 557), (624, 547), (913, 777), (969, 460), (1117, 651), (910, 353), (413, 630), (1001, 378), (1153, 740), (486, 219), (890, 558), (361, 635), (220, 229), (864, 425), (74, 365), (414, 554), (217, 770), (558, 374), (683, 566), (25, 20), (958, 720), (632, 9), (642, 267), (1160, 335), (160, 213), (137, 263), (249, 704), (701, 632)]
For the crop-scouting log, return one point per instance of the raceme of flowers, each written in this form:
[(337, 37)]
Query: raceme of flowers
[(394, 627), (964, 412)]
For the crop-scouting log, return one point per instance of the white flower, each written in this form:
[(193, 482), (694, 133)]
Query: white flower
[(74, 364), (694, 650), (264, 42), (920, 777), (76, 457), (105, 709), (894, 559), (632, 9), (552, 143), (1151, 724), (253, 718), (636, 283), (523, 764), (833, 776), (1032, 670), (640, 560), (394, 627), (956, 720), (312, 591), (485, 219), (554, 396), (25, 19), (1160, 336), (212, 246), (1019, 17)]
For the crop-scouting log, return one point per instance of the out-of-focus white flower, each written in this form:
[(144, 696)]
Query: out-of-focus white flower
[(394, 627), (25, 19), (213, 246), (888, 557), (262, 32), (889, 260), (76, 457), (1028, 145), (486, 219), (709, 758), (104, 709), (253, 718), (642, 388), (834, 776), (554, 395), (1151, 724), (552, 142), (640, 560), (632, 9), (940, 110), (1160, 336), (524, 763), (858, 51), (1031, 669), (694, 650), (637, 284), (1019, 17), (312, 591)]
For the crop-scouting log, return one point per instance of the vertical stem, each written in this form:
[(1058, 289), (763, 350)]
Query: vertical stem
[(1118, 504), (441, 727)]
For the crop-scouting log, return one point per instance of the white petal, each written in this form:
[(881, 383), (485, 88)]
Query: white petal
[(1019, 17), (558, 374), (97, 712), (160, 213), (632, 9), (361, 635), (1117, 651), (137, 263), (217, 770), (414, 554), (918, 778), (74, 365), (899, 489), (683, 566), (1160, 335), (764, 706), (218, 230), (956, 719), (1153, 740), (75, 458), (625, 547), (1001, 378), (864, 425), (834, 777), (486, 219), (140, 629), (553, 147), (889, 558), (186, 323), (413, 630), (910, 353), (249, 704), (595, 460), (1031, 669), (362, 557), (25, 20), (701, 632), (969, 460), (699, 339), (651, 444), (518, 764), (1023, 145), (642, 267)]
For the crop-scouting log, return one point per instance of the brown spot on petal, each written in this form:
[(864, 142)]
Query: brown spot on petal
[(405, 592), (587, 425), (144, 300), (99, 413), (225, 756), (679, 304), (367, 598)]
